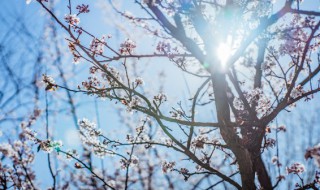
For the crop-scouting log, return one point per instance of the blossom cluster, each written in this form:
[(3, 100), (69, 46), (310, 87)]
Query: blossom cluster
[(76, 56), (138, 81), (127, 47), (19, 154), (163, 47), (72, 19), (97, 45), (199, 142), (131, 104), (314, 153), (177, 113), (161, 97), (49, 82), (257, 97), (89, 135), (270, 142), (297, 91), (168, 166), (82, 8), (296, 168), (132, 162)]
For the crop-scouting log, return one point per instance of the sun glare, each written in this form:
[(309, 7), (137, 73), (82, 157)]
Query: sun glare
[(224, 51)]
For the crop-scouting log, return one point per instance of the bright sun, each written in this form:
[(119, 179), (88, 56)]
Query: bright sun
[(225, 51)]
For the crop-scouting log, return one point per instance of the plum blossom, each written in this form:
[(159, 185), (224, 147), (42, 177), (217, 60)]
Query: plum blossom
[(274, 160), (282, 128), (270, 142), (125, 163), (97, 46), (297, 91), (167, 141), (89, 135), (72, 19), (184, 170), (127, 47), (161, 97), (314, 152), (257, 97), (163, 47), (70, 153), (134, 160), (83, 8), (138, 81), (76, 56), (177, 113), (199, 142), (49, 82), (167, 166), (296, 168)]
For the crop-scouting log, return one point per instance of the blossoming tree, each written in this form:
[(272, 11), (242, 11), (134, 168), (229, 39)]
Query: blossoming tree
[(254, 60)]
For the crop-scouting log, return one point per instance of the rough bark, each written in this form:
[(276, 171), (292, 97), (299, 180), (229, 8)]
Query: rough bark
[(263, 177), (248, 157)]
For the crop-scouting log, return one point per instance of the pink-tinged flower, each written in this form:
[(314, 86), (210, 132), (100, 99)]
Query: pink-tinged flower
[(184, 170), (134, 160), (297, 91), (314, 152), (83, 8), (161, 97), (274, 159), (72, 19), (199, 142), (97, 46), (282, 128), (139, 81), (163, 47), (49, 82), (270, 142), (127, 47), (296, 168), (167, 166)]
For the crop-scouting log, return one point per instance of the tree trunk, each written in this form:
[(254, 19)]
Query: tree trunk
[(262, 173), (248, 158), (246, 168)]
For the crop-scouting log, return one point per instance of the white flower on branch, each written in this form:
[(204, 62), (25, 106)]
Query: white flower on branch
[(199, 142), (127, 47), (314, 153), (297, 91), (139, 81), (167, 166), (49, 82), (97, 46), (161, 97), (296, 168), (72, 19), (134, 160)]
